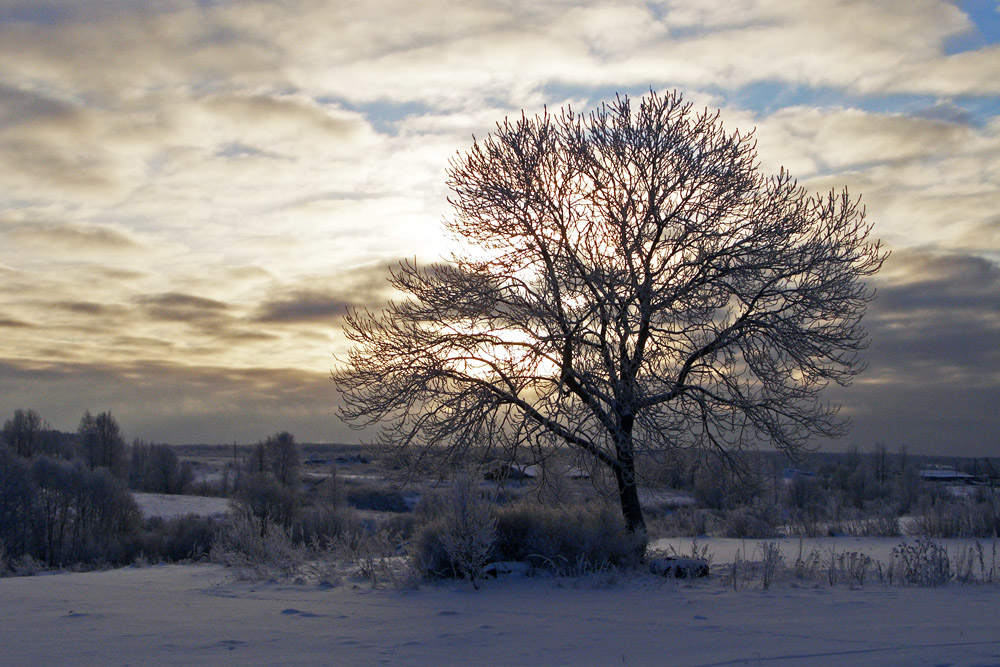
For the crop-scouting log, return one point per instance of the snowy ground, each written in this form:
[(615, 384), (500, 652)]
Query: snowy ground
[(197, 614)]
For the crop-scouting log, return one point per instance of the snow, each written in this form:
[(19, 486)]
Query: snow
[(170, 506), (199, 614)]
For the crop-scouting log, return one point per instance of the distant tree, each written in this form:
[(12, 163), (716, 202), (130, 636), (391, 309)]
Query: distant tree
[(267, 485), (267, 502), (881, 463), (256, 461), (17, 502), (23, 432), (101, 443), (80, 514), (157, 469), (283, 458), (628, 282)]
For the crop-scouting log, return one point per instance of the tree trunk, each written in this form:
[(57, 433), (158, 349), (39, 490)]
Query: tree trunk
[(628, 492)]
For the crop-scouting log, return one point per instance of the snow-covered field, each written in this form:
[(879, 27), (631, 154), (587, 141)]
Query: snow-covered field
[(725, 550), (198, 614), (170, 506)]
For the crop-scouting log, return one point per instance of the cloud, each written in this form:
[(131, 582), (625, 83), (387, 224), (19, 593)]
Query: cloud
[(178, 402), (75, 237), (934, 362), (364, 287), (923, 180), (25, 107), (11, 323), (172, 306)]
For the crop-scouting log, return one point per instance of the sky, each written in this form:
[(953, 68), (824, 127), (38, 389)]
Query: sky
[(193, 193)]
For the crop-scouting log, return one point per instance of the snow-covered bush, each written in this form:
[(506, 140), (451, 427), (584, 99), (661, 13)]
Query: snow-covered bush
[(760, 519), (684, 522), (975, 516), (876, 519), (321, 524)]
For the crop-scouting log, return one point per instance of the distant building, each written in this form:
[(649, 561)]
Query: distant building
[(946, 475), (788, 474)]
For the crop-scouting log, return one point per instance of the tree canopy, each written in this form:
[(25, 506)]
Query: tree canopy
[(626, 281)]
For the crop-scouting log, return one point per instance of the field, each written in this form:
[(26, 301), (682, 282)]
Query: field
[(198, 614)]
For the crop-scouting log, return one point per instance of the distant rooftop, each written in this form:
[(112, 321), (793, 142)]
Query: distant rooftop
[(945, 475)]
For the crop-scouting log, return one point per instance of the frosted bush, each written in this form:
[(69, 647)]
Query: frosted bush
[(469, 530), (257, 554)]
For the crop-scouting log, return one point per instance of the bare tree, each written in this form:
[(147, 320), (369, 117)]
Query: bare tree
[(627, 281), (283, 457), (101, 443), (22, 433)]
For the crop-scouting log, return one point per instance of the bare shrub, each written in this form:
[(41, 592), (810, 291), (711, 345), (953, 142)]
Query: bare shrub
[(157, 469), (696, 550), (377, 496), (806, 503), (852, 567), (977, 563), (741, 572), (923, 563), (772, 562), (807, 566), (378, 556), (266, 501), (179, 538), (26, 566), (428, 553)]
